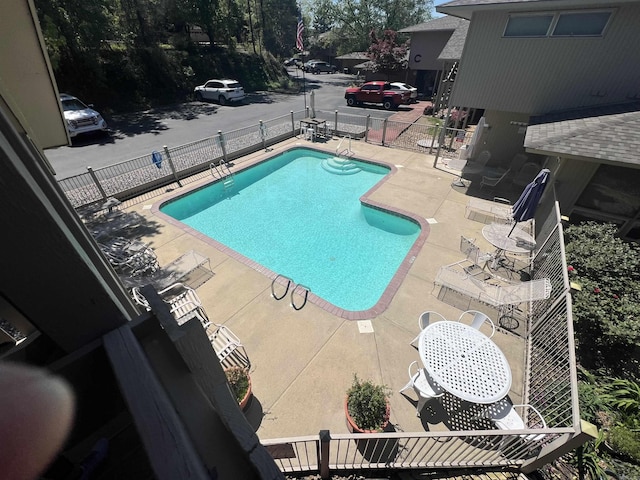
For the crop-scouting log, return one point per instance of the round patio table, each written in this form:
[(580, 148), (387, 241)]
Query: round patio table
[(465, 362)]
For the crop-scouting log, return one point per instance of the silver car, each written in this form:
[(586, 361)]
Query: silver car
[(221, 91), (81, 118)]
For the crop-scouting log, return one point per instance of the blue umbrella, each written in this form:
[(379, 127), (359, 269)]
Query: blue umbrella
[(525, 206)]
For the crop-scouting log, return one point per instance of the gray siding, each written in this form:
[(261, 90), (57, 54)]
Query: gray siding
[(539, 75), (427, 45)]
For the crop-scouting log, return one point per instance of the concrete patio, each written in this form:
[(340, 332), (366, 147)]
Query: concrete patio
[(304, 361)]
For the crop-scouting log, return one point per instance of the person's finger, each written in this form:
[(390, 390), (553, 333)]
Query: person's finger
[(36, 412)]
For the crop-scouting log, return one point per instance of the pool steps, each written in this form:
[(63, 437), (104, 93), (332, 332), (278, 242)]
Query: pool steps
[(340, 166)]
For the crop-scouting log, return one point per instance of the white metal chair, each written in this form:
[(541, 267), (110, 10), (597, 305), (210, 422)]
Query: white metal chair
[(425, 388), (228, 348), (423, 321), (478, 319), (182, 301), (504, 416)]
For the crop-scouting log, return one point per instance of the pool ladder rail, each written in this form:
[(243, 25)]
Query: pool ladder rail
[(296, 286), (223, 172), (347, 152)]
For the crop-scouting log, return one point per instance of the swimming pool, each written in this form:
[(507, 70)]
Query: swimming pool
[(304, 220)]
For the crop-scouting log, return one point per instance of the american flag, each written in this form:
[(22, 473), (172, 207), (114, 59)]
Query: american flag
[(299, 30)]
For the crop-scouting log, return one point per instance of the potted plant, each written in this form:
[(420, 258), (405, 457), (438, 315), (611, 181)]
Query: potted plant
[(367, 406), (240, 383)]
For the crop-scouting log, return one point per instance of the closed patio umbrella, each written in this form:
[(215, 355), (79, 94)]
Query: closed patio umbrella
[(525, 206)]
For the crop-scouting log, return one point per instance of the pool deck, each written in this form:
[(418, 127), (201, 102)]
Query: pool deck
[(304, 361)]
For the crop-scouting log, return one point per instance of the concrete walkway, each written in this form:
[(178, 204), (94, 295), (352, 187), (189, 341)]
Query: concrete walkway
[(304, 361)]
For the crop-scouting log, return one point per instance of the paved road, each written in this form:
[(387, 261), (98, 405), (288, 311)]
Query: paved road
[(141, 133)]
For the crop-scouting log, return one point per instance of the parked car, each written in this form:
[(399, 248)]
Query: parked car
[(319, 67), (308, 65), (289, 62), (377, 92), (81, 118), (407, 88), (221, 91)]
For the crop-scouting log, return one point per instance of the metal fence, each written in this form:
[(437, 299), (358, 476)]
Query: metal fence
[(169, 165), (550, 387), (550, 383)]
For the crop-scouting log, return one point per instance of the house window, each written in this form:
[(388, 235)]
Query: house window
[(528, 26), (583, 24), (560, 24)]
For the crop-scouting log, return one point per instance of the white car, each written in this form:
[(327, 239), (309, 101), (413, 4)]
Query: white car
[(406, 88), (221, 91), (81, 118)]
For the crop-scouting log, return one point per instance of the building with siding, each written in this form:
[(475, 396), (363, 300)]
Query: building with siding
[(535, 66)]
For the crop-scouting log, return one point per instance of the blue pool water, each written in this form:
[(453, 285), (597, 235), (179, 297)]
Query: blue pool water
[(292, 216)]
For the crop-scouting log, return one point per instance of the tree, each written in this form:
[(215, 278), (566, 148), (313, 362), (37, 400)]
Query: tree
[(385, 53), (353, 20)]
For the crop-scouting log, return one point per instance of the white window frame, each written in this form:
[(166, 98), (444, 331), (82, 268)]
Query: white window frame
[(555, 17)]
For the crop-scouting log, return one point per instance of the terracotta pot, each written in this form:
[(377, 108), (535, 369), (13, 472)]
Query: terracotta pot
[(351, 424)]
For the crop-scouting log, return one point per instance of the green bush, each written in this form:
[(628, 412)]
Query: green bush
[(367, 404), (625, 442), (607, 308)]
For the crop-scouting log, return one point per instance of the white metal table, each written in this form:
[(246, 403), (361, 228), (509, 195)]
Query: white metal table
[(465, 362), (500, 236)]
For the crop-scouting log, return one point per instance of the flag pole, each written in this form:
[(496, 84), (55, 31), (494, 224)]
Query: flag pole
[(300, 46)]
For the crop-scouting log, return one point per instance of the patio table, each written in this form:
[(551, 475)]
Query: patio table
[(500, 236), (465, 362)]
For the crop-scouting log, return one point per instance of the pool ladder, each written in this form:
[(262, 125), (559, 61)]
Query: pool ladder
[(296, 286), (223, 172), (347, 151)]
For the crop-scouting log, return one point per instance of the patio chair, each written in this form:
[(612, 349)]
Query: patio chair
[(504, 416), (478, 320), (182, 300), (527, 173), (423, 322), (494, 178), (498, 210), (228, 348), (423, 385), (474, 255), (491, 290)]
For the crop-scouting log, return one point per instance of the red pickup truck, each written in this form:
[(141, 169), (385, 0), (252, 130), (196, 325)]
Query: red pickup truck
[(377, 92)]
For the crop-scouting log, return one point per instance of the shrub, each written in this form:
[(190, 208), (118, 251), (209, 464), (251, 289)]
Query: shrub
[(367, 404), (625, 442)]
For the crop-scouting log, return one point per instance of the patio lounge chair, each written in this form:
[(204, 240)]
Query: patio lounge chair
[(182, 301), (472, 253), (494, 178), (228, 348), (498, 209), (425, 388), (527, 173), (491, 290), (130, 257)]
